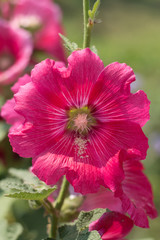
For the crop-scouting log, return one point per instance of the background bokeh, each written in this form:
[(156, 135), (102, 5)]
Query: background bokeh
[(129, 32)]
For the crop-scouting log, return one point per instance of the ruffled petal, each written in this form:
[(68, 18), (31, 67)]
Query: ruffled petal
[(47, 80), (44, 123), (87, 178), (8, 113), (81, 172), (111, 100), (137, 199), (100, 155), (84, 67), (112, 226), (21, 82)]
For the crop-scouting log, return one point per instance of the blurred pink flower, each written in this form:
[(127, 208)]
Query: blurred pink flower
[(136, 199), (15, 52), (43, 19), (112, 226), (77, 119)]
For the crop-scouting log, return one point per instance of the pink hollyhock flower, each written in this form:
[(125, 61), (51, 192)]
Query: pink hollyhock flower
[(112, 226), (43, 19), (137, 197), (15, 52), (77, 119)]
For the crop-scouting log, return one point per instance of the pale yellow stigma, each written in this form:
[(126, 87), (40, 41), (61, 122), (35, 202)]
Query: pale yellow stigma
[(80, 122), (31, 23)]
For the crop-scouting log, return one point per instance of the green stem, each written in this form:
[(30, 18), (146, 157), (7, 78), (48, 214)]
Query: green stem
[(87, 27), (55, 211), (53, 218), (54, 226), (62, 194)]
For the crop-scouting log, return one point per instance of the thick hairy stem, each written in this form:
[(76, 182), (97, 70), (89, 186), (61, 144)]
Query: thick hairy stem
[(87, 28)]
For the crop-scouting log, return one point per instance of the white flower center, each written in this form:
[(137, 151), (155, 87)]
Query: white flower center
[(80, 122), (30, 22)]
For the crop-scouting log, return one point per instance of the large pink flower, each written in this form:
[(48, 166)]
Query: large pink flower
[(77, 119), (43, 18), (137, 197), (112, 226), (15, 52)]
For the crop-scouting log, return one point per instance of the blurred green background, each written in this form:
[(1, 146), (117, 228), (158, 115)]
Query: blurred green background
[(129, 32)]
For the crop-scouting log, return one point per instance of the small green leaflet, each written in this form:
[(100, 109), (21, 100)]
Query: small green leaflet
[(71, 46), (92, 13)]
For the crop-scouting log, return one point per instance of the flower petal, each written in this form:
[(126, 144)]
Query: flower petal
[(7, 110), (102, 199), (8, 113), (44, 122), (21, 81), (111, 100), (111, 137), (47, 81), (112, 225), (80, 172), (83, 70), (137, 199)]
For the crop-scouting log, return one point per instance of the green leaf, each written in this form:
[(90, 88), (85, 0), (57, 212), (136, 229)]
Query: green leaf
[(85, 235), (48, 239), (92, 13), (24, 185), (36, 195), (26, 176), (85, 218), (10, 232), (15, 185), (70, 232), (79, 229), (71, 46)]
